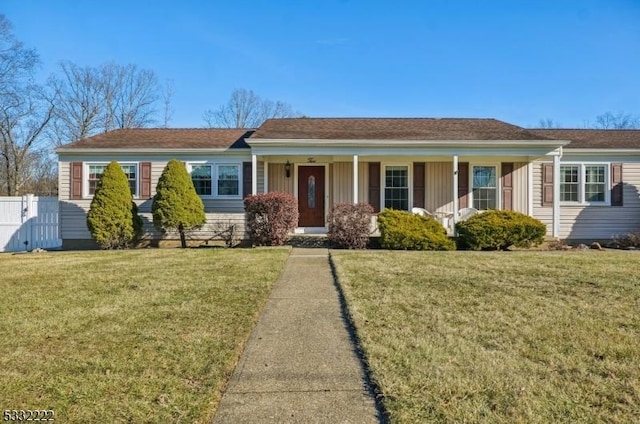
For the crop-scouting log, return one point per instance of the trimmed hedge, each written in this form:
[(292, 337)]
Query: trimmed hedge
[(176, 205), (400, 230), (271, 217), (499, 230), (113, 219), (350, 225)]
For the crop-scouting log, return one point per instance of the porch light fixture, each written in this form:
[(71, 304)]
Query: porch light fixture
[(287, 169)]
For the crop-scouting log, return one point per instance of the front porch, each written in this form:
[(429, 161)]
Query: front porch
[(443, 185)]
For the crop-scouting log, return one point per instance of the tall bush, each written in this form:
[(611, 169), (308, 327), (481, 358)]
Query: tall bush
[(350, 225), (400, 230), (113, 219), (271, 217), (176, 205), (499, 230)]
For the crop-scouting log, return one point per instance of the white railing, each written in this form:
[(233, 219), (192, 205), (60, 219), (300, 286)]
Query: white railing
[(29, 222)]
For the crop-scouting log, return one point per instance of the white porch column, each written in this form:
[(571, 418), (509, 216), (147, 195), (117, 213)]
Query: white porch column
[(254, 174), (456, 204), (355, 179), (265, 177), (556, 196)]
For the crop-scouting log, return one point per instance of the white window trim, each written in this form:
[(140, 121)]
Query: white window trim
[(499, 204), (85, 176), (581, 184), (214, 177), (240, 179), (383, 182), (211, 167)]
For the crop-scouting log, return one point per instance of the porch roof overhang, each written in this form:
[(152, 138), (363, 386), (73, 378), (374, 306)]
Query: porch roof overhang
[(406, 147)]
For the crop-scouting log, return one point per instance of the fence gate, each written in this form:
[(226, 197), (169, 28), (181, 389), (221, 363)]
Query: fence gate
[(28, 222)]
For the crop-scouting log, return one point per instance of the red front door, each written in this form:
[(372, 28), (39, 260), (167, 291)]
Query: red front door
[(311, 196)]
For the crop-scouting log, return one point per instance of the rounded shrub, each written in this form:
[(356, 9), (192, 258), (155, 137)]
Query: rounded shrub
[(350, 225), (400, 230), (176, 205), (113, 219), (271, 217), (499, 230)]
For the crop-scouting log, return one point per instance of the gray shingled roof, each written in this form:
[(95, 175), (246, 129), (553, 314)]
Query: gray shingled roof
[(391, 129), (354, 129), (594, 139)]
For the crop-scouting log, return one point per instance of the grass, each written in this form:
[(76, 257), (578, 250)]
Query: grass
[(128, 336), (520, 337)]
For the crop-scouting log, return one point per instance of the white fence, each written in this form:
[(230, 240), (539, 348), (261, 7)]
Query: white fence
[(28, 222)]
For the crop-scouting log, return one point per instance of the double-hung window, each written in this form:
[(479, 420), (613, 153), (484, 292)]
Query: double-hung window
[(484, 185), (396, 187), (95, 174), (216, 179), (228, 178), (584, 183), (201, 178), (97, 169)]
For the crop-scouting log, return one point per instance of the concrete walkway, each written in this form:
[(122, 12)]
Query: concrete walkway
[(300, 365)]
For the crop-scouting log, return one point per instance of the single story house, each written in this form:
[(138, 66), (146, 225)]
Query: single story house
[(583, 183)]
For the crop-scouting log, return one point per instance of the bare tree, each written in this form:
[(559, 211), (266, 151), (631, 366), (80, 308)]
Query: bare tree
[(16, 61), (246, 110), (22, 124), (619, 121), (79, 103), (167, 98), (132, 94), (548, 123), (93, 99), (25, 110)]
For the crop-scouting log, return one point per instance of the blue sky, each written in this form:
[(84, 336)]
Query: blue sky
[(517, 61)]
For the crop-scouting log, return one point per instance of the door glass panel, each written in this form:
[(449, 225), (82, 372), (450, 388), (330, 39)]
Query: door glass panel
[(311, 192)]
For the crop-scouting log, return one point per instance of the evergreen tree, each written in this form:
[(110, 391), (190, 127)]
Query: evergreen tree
[(113, 218), (176, 205)]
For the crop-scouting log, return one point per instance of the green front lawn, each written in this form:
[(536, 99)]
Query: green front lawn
[(128, 336), (499, 337)]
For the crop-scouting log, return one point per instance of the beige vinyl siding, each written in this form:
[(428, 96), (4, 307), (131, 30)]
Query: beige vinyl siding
[(64, 180), (278, 180), (341, 181), (260, 177), (593, 222), (520, 192), (363, 182), (73, 213), (439, 187)]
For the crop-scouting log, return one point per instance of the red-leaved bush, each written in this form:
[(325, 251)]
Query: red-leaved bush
[(350, 225), (271, 217)]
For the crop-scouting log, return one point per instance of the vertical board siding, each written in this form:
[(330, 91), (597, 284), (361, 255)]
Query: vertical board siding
[(520, 192), (363, 182), (342, 182), (439, 187), (583, 222), (277, 179), (260, 177)]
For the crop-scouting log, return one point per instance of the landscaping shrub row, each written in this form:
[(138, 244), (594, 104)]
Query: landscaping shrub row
[(114, 222), (499, 230)]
